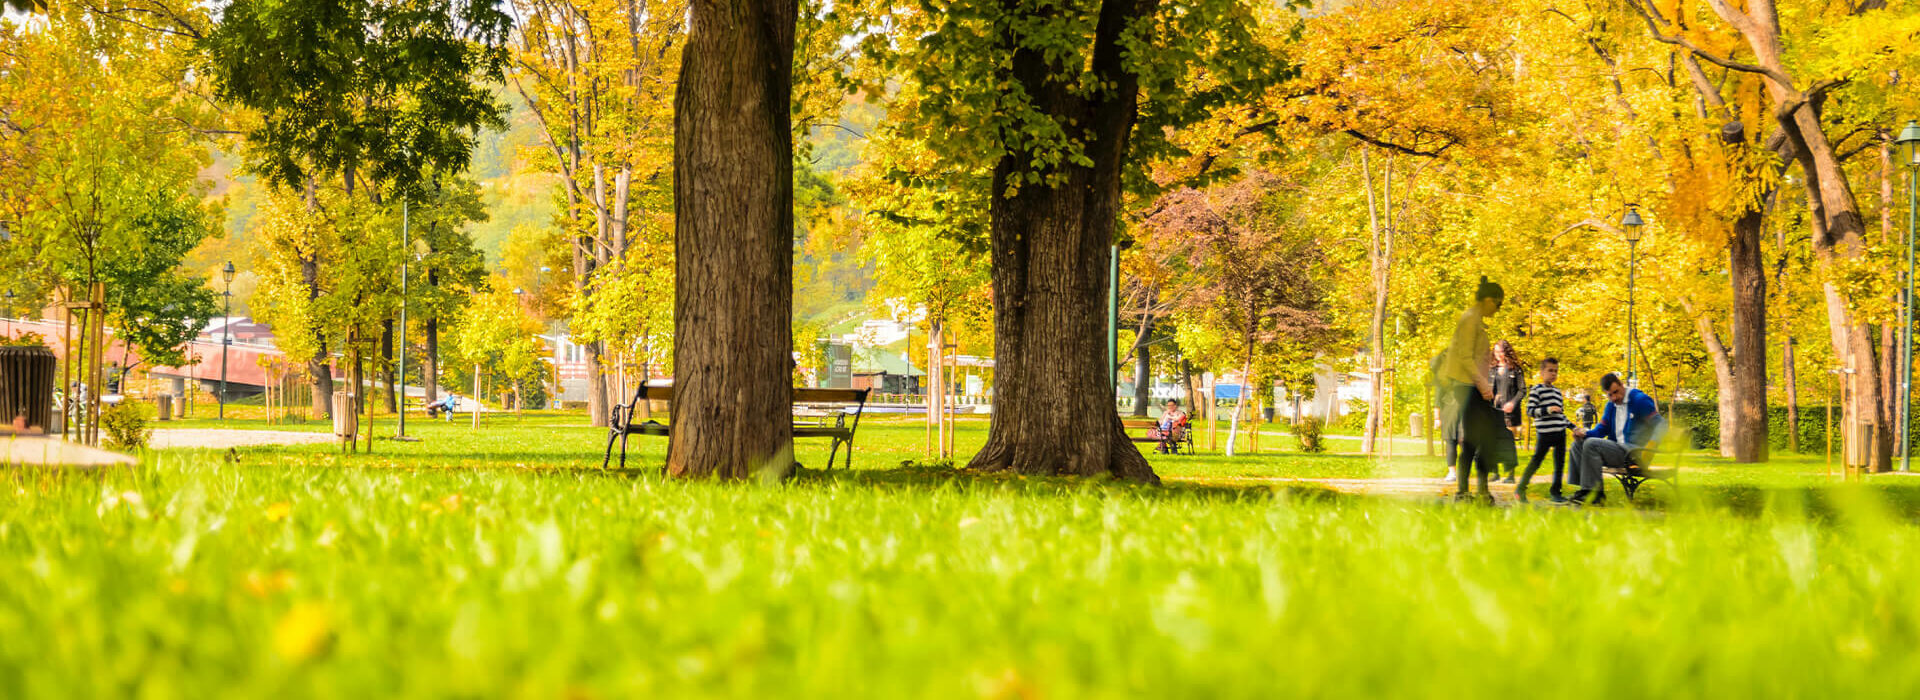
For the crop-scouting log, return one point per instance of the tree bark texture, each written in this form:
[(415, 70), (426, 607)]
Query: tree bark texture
[(1054, 412), (1838, 229), (1747, 272), (733, 247)]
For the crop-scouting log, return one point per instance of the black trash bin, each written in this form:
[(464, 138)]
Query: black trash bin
[(26, 386)]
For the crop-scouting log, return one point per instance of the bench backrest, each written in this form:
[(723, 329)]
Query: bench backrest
[(801, 395), (816, 395)]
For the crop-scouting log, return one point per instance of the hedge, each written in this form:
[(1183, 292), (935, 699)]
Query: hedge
[(1703, 419)]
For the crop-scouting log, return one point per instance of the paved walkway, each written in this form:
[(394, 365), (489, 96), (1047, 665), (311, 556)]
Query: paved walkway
[(1397, 487), (211, 438)]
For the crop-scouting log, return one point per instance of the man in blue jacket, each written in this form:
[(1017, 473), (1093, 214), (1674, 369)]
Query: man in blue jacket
[(1625, 428)]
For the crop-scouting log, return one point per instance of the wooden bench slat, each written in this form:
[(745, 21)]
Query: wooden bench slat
[(649, 392), (820, 431), (800, 394), (822, 395)]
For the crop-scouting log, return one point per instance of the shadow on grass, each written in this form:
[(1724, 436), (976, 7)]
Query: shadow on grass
[(911, 475), (1819, 503)]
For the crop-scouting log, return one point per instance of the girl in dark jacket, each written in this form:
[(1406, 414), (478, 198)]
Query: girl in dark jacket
[(1509, 385)]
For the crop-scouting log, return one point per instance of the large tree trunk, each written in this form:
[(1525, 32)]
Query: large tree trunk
[(733, 246), (1054, 411), (1838, 227), (1747, 270)]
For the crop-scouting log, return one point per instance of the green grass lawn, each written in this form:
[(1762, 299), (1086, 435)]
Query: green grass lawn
[(503, 562)]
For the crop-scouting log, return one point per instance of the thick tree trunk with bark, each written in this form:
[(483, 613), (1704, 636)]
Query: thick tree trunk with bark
[(1054, 411), (1747, 271), (1838, 233), (733, 247)]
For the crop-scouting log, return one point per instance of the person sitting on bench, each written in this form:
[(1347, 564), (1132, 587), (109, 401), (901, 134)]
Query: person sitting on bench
[(446, 404), (1172, 428), (1626, 427)]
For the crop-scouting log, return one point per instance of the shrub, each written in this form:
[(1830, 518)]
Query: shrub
[(24, 340), (126, 424), (1306, 434), (1703, 419)]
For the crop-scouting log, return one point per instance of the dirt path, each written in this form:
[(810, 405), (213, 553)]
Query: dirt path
[(211, 438)]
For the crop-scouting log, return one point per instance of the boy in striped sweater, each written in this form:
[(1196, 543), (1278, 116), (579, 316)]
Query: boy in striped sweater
[(1547, 407)]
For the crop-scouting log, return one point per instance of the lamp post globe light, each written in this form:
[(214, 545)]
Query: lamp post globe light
[(1909, 142), (1632, 225), (226, 334)]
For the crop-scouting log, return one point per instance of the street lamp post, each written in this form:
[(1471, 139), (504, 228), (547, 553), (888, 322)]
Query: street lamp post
[(9, 313), (226, 335), (1909, 141), (1631, 224)]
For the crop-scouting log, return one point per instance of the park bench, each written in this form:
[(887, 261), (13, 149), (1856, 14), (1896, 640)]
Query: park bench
[(1183, 435), (818, 413), (1640, 468)]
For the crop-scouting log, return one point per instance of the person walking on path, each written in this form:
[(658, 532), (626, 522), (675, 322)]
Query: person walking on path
[(1509, 381), (1626, 427), (1547, 407), (1465, 375), (1447, 414)]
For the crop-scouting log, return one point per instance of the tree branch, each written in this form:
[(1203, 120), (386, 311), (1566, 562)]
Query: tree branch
[(1590, 223), (1407, 150), (1654, 21)]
